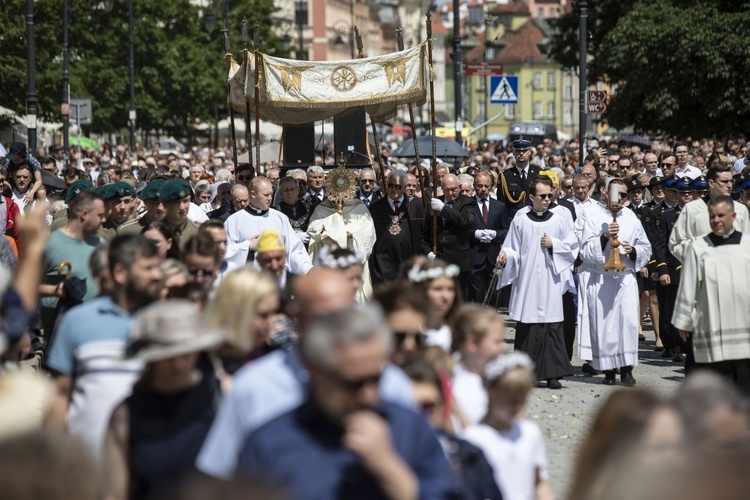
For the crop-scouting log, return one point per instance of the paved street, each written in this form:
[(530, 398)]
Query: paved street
[(565, 415)]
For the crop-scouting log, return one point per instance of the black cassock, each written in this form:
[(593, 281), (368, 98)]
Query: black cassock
[(399, 237)]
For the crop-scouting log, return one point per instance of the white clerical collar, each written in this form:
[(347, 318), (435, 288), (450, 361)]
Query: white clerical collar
[(539, 214), (727, 236)]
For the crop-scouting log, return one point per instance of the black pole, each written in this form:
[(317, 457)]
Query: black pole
[(226, 15), (31, 98), (582, 35), (132, 114), (351, 30), (65, 89), (457, 69)]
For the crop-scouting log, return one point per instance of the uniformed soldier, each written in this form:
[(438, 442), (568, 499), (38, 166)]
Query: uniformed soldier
[(700, 187), (514, 181), (175, 194), (154, 206), (119, 200), (60, 217)]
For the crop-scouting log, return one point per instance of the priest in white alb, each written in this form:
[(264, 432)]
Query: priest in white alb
[(713, 299), (538, 253), (612, 298), (244, 227)]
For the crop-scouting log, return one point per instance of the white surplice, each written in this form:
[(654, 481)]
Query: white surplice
[(583, 333), (241, 226), (538, 275), (612, 299)]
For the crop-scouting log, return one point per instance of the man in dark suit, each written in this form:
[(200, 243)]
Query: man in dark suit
[(489, 227), (366, 192), (514, 181), (455, 214), (399, 223)]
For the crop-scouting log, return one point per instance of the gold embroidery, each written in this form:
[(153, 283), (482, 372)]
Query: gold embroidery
[(291, 78)]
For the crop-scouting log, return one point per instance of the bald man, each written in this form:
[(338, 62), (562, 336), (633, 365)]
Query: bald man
[(455, 214), (278, 382)]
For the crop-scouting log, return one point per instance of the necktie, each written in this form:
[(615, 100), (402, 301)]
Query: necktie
[(485, 213), (395, 206), (523, 175), (367, 201)]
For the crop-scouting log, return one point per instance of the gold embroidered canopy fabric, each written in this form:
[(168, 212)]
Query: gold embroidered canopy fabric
[(295, 92)]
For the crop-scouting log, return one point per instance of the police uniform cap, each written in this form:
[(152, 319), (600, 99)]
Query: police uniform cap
[(683, 184), (634, 184), (77, 187), (116, 190), (669, 182), (656, 181), (174, 190), (521, 144), (699, 183), (152, 190)]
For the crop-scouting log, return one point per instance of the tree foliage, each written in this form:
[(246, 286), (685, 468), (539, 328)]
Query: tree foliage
[(679, 65), (179, 66)]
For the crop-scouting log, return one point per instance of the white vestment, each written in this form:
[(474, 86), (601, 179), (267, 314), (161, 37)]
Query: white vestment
[(583, 333), (713, 300), (538, 276), (241, 226), (353, 230), (612, 299), (693, 223)]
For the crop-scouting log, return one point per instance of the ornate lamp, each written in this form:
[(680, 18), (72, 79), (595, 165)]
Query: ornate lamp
[(614, 262), (342, 184)]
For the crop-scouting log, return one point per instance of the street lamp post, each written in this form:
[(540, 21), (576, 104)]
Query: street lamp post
[(132, 114), (301, 20), (65, 89), (582, 5), (457, 69), (31, 97)]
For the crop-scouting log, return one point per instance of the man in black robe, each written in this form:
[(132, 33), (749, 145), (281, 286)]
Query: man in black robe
[(399, 223)]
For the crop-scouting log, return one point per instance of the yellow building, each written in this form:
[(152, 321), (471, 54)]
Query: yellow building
[(515, 40)]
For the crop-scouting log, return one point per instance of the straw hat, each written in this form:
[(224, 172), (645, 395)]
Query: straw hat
[(168, 329)]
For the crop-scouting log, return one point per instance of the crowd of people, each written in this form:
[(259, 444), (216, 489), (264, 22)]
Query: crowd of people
[(177, 326)]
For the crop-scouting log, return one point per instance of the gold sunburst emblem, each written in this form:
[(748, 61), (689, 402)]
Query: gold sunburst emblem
[(341, 184), (343, 78)]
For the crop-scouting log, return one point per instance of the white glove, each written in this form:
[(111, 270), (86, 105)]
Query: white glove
[(436, 205), (431, 256), (479, 234), (486, 238), (305, 237), (491, 233)]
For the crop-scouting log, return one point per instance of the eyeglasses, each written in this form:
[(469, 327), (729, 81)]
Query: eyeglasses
[(368, 181), (567, 186), (419, 337), (394, 186), (244, 177), (355, 385), (668, 164), (547, 196), (200, 273)]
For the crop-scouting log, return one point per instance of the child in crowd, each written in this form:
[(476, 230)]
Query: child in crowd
[(514, 446), (478, 338)]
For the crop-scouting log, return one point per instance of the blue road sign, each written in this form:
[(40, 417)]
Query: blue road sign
[(503, 89)]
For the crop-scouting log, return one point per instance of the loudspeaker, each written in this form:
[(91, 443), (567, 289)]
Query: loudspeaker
[(299, 146), (350, 138)]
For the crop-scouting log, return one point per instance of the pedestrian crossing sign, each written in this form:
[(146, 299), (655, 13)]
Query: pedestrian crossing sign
[(503, 89)]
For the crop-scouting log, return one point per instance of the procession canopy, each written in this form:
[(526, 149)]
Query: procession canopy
[(293, 92)]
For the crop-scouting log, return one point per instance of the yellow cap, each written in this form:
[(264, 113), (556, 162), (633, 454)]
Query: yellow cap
[(269, 241), (552, 176)]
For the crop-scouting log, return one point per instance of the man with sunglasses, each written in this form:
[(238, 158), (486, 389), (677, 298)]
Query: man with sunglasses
[(366, 192), (538, 253), (399, 223)]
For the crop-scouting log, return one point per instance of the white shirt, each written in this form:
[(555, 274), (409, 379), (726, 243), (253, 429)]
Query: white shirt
[(196, 214), (740, 165), (442, 337), (469, 391), (689, 171)]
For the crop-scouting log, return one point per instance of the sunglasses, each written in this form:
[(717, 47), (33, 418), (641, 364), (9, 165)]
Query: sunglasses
[(544, 196), (368, 181), (419, 337), (200, 273), (355, 385), (244, 177)]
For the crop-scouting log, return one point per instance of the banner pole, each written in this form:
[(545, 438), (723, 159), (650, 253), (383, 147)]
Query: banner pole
[(432, 132), (228, 58), (248, 129), (256, 93)]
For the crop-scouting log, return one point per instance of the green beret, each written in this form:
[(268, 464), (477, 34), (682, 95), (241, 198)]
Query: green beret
[(174, 190), (152, 189), (77, 187), (119, 189)]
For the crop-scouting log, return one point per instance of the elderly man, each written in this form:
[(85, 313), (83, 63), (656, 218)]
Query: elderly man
[(240, 197), (343, 426), (316, 193), (244, 228), (279, 382), (399, 223), (455, 214), (291, 206), (412, 187), (366, 192), (712, 299), (466, 185), (271, 257)]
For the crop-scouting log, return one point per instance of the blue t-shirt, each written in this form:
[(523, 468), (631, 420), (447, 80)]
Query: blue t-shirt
[(302, 452)]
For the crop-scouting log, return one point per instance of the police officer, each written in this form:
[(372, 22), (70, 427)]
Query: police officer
[(514, 181)]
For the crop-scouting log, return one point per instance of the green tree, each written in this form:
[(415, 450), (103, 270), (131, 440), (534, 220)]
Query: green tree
[(679, 65), (179, 66)]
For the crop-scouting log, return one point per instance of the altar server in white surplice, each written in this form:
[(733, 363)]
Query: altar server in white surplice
[(538, 253), (244, 228), (612, 299)]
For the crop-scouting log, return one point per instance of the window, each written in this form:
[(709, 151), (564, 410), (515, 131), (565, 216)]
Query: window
[(551, 80), (568, 117), (551, 109), (552, 12), (481, 114), (537, 80), (482, 83), (510, 111), (568, 92), (537, 110)]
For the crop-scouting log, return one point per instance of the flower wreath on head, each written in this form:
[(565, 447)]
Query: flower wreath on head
[(505, 363), (418, 275), (326, 259)]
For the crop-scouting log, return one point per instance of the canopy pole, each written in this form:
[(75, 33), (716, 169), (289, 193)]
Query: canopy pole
[(228, 58), (256, 93), (248, 130), (420, 174), (432, 131)]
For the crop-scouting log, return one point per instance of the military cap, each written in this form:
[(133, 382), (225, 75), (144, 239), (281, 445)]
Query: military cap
[(669, 182), (683, 184), (174, 190), (116, 190), (152, 190), (656, 181), (699, 183), (634, 184), (520, 144), (77, 187)]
